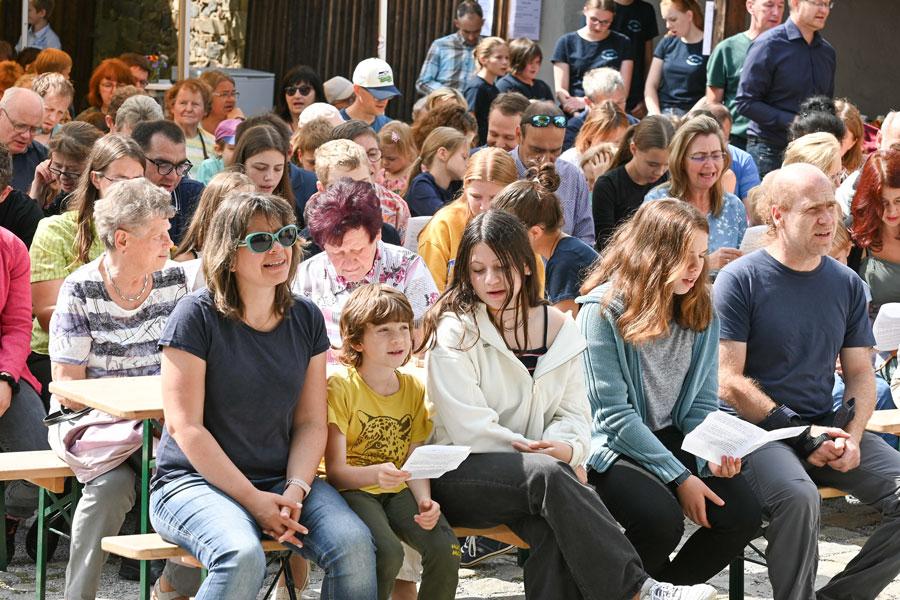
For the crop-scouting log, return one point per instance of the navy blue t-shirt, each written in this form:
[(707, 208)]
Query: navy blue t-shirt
[(566, 269), (539, 90), (582, 56), (794, 324), (24, 165), (303, 184), (253, 381), (185, 199), (479, 94), (637, 21), (683, 74), (425, 197)]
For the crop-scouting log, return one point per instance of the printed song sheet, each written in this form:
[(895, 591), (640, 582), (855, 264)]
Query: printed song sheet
[(722, 434), (430, 462)]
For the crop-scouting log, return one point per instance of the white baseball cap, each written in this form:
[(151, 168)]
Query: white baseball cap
[(377, 77)]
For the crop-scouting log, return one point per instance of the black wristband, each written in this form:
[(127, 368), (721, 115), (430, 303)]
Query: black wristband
[(780, 417), (8, 378), (805, 444), (673, 485)]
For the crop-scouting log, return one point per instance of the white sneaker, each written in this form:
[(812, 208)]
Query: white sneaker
[(658, 590)]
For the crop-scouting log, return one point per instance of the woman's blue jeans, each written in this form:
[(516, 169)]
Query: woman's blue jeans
[(222, 535)]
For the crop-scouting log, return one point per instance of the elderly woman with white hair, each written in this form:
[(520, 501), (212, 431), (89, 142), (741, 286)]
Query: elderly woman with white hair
[(108, 319), (134, 110)]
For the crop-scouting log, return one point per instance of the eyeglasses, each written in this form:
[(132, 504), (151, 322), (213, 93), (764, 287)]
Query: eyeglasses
[(109, 85), (820, 4), (373, 154), (259, 242), (19, 126), (141, 83), (603, 23), (231, 94), (304, 90), (702, 158), (60, 174), (115, 179), (545, 121), (164, 167)]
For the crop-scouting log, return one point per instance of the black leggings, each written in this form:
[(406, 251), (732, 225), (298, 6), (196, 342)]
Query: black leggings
[(654, 522)]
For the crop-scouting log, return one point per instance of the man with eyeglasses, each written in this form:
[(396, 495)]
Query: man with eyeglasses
[(373, 87), (784, 66), (139, 67), (167, 164), (543, 132), (723, 71), (21, 115), (449, 62)]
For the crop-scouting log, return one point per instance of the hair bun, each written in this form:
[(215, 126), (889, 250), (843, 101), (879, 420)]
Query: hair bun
[(545, 176)]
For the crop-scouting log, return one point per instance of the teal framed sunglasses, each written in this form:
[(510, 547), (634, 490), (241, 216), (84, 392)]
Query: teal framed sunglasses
[(259, 242), (547, 120)]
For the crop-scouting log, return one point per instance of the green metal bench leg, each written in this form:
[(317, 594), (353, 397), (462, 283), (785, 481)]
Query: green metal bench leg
[(736, 579), (146, 457), (65, 506)]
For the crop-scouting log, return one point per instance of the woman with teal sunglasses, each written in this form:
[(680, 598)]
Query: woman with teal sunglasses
[(243, 362)]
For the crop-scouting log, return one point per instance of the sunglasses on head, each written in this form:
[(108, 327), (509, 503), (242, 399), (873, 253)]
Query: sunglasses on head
[(546, 120), (290, 90), (259, 242)]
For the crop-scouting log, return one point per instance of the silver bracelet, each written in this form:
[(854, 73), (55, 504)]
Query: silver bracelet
[(300, 484)]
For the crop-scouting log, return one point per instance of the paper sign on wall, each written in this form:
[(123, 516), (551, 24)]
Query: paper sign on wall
[(525, 19), (487, 7), (709, 18)]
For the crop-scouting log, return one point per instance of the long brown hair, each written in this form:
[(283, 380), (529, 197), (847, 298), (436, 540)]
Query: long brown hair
[(505, 235), (652, 133), (678, 157), (105, 151), (643, 261), (215, 191)]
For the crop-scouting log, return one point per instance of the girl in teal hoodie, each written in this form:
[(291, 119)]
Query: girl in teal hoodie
[(651, 376)]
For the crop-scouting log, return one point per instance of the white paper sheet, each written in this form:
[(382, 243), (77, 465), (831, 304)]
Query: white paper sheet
[(709, 19), (487, 7), (525, 19), (721, 434), (430, 462)]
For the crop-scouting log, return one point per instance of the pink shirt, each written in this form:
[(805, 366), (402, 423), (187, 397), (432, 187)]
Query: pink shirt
[(15, 314)]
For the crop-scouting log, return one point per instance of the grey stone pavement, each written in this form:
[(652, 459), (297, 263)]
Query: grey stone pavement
[(844, 529)]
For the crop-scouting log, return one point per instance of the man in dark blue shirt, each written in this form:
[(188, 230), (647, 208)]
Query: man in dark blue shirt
[(167, 164), (784, 66)]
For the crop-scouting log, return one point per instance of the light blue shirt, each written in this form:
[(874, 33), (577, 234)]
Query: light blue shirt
[(725, 230), (45, 38), (449, 63)]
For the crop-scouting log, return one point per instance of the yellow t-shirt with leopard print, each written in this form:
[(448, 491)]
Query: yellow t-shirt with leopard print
[(378, 428)]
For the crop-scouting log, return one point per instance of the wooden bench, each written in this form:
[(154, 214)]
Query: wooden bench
[(736, 568), (46, 470)]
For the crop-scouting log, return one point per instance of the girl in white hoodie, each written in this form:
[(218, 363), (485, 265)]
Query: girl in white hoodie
[(504, 377)]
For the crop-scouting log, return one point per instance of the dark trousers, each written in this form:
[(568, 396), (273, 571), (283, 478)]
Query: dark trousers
[(738, 141), (577, 548), (767, 156), (39, 365), (654, 522)]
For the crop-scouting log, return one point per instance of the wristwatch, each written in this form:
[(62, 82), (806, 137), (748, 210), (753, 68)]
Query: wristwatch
[(8, 378), (300, 484)]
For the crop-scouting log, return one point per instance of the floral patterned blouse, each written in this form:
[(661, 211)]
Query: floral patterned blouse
[(395, 266), (725, 230)]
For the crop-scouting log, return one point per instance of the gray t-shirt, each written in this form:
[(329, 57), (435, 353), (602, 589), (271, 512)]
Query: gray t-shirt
[(253, 381), (664, 365)]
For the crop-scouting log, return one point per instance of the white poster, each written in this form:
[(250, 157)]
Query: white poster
[(709, 19), (525, 19), (487, 6)]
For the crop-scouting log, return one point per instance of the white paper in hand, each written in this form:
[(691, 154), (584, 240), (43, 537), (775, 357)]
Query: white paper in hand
[(721, 434), (430, 462)]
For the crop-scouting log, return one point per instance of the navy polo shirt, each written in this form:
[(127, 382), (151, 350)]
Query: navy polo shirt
[(781, 71)]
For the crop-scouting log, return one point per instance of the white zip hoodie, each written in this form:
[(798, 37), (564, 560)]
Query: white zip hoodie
[(480, 395)]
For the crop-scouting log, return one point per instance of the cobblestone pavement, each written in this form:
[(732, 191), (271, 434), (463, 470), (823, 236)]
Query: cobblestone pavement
[(844, 530)]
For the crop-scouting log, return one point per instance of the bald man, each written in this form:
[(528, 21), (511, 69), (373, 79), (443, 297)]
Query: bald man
[(21, 114), (787, 312), (888, 135)]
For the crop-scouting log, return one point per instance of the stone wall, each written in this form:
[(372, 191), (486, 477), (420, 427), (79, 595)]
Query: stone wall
[(218, 31)]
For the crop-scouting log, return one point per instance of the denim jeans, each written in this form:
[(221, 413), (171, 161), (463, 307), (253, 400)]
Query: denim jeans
[(222, 535), (577, 548), (767, 156)]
